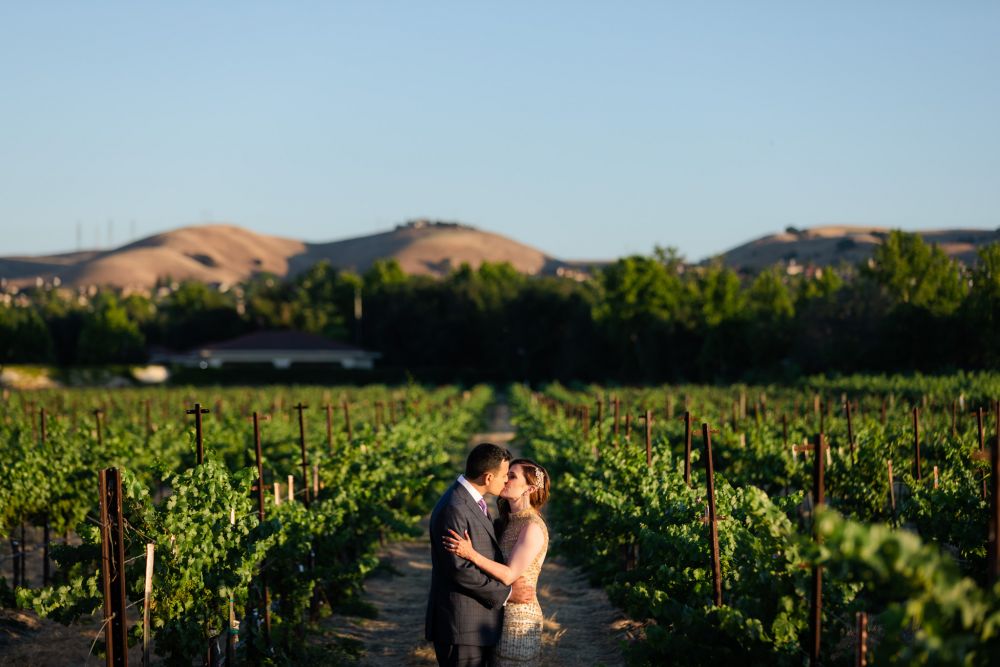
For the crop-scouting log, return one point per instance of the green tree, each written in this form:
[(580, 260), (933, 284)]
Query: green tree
[(108, 335), (982, 308), (769, 297), (640, 302), (384, 273), (195, 313), (24, 336), (719, 295), (915, 273)]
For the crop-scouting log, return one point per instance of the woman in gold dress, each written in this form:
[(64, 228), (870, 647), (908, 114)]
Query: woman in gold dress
[(524, 540)]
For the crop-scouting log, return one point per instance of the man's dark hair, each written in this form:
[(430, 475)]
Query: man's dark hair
[(484, 458)]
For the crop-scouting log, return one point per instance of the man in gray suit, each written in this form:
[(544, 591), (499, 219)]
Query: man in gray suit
[(465, 608)]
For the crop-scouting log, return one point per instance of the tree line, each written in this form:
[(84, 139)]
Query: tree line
[(640, 319)]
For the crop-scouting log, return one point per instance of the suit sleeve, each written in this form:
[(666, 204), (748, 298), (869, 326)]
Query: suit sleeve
[(469, 578)]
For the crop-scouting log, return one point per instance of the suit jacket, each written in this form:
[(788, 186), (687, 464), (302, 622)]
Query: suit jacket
[(465, 605)]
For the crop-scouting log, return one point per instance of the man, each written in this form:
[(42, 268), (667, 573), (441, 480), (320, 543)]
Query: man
[(465, 608)]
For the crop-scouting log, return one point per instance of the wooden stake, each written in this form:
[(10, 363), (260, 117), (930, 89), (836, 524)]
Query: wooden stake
[(305, 461), (994, 527), (113, 569), (146, 595), (816, 603), (713, 527), (850, 429), (861, 655), (198, 411), (687, 448), (892, 490), (329, 426), (649, 438)]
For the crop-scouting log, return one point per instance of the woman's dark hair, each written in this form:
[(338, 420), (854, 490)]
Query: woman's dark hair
[(537, 498), (484, 458)]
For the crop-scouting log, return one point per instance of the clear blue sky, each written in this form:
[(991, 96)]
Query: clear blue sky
[(589, 130)]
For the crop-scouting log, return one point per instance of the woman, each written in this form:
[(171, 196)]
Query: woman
[(524, 540)]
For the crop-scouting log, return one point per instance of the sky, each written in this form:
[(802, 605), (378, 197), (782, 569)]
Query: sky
[(590, 130)]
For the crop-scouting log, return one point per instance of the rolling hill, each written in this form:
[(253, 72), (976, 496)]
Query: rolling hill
[(225, 254), (832, 245)]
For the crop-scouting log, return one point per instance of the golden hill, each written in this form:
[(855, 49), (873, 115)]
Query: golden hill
[(220, 253), (832, 245)]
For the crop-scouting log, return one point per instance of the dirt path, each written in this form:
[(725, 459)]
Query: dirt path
[(581, 627)]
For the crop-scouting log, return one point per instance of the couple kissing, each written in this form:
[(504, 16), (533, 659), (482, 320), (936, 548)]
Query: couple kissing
[(482, 610)]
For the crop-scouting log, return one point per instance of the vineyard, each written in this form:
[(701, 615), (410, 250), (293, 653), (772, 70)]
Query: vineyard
[(204, 563), (837, 522), (845, 522)]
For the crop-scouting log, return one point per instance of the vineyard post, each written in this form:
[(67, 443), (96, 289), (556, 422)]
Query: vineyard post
[(994, 528), (586, 422), (954, 418), (113, 568), (329, 426), (982, 444), (713, 527), (265, 602), (916, 441), (45, 519), (29, 410), (883, 411), (816, 603), (23, 557), (861, 655), (687, 448), (850, 429), (784, 428), (892, 490), (313, 604), (147, 592), (617, 409), (347, 422), (628, 426), (100, 435), (302, 446), (600, 417), (198, 411), (649, 438)]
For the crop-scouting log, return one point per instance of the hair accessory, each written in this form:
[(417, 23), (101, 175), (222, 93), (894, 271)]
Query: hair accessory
[(539, 479)]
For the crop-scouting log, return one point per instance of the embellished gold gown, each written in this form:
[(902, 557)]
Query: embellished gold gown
[(521, 640)]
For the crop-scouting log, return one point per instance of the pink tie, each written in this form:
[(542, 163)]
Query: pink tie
[(482, 506)]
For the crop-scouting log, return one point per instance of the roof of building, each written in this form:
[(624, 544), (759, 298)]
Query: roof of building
[(281, 340)]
